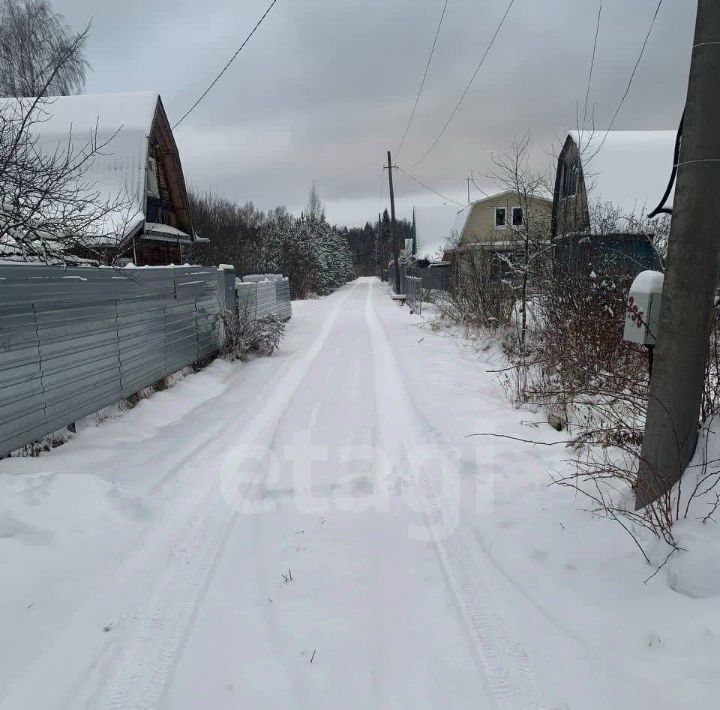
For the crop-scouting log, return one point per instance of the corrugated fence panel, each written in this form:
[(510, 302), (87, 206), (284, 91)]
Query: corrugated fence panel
[(205, 290), (141, 332), (79, 359), (261, 295), (282, 297), (22, 407), (74, 340), (247, 299), (266, 299)]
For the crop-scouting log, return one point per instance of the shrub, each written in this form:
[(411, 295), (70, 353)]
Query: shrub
[(245, 335)]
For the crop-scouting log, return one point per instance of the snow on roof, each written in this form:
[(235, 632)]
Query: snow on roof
[(123, 121), (434, 229), (629, 169), (461, 220), (157, 229)]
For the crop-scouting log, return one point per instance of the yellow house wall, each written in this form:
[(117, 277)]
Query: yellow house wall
[(480, 226)]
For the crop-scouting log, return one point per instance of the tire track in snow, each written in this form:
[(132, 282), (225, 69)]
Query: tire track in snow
[(274, 625), (163, 624), (504, 661)]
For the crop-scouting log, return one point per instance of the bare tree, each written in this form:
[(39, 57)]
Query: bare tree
[(50, 208), (530, 227), (39, 54)]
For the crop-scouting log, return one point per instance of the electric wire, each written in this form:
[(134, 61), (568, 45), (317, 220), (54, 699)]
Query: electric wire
[(227, 66), (422, 83), (592, 63), (467, 87), (631, 79), (427, 187)]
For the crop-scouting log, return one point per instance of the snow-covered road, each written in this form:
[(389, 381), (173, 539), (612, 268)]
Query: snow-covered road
[(314, 530)]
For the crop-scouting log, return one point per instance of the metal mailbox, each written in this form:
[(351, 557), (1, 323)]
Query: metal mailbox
[(642, 314)]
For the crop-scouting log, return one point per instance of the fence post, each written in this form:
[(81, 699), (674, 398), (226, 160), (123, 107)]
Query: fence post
[(227, 295)]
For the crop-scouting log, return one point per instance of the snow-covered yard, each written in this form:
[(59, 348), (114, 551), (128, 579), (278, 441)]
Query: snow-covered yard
[(316, 530)]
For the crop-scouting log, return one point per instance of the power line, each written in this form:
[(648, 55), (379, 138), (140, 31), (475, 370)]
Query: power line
[(467, 87), (422, 83), (427, 187), (632, 77), (226, 67), (592, 64)]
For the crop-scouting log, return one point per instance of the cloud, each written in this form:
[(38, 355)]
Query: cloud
[(326, 87)]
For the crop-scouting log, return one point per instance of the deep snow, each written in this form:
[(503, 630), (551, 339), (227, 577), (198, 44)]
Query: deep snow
[(316, 530)]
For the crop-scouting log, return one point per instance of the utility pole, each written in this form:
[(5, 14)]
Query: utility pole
[(671, 427), (393, 230), (468, 182), (414, 235)]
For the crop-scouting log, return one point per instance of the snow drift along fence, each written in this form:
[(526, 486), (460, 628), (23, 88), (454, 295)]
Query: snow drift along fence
[(74, 340)]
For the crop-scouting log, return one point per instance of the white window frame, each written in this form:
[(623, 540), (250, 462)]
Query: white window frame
[(500, 226), (512, 216)]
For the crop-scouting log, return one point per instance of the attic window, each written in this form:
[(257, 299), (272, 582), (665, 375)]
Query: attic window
[(569, 180), (500, 218), (518, 216), (152, 178)]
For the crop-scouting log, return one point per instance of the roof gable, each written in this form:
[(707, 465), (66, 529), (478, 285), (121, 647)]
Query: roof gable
[(629, 169), (121, 124)]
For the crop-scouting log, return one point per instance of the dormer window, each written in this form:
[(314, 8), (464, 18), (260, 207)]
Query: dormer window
[(500, 218)]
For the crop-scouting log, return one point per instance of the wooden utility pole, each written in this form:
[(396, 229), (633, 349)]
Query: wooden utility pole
[(393, 230), (671, 428), (378, 248), (468, 182)]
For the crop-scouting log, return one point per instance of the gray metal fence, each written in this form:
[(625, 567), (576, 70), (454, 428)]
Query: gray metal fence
[(434, 277), (391, 278), (261, 295), (74, 340), (414, 288)]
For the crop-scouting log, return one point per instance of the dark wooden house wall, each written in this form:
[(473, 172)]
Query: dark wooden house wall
[(570, 213), (173, 206)]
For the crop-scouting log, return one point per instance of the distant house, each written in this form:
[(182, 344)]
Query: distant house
[(491, 220), (491, 227), (606, 185), (138, 169)]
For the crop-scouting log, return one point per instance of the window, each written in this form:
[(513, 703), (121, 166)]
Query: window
[(500, 218), (518, 216), (569, 180)]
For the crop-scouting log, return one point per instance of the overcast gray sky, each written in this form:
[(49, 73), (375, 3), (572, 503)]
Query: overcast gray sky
[(326, 87)]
